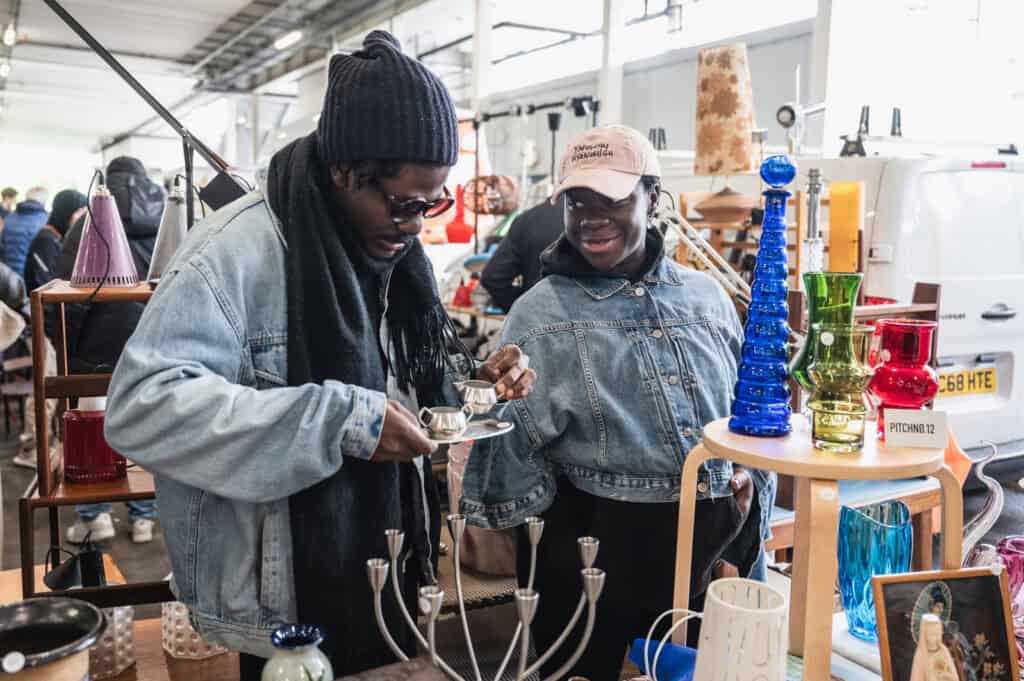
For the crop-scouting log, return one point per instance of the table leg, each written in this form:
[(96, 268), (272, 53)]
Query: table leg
[(814, 570), (952, 519), (684, 540), (923, 533)]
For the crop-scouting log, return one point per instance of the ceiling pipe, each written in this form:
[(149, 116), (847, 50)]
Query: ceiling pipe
[(198, 67)]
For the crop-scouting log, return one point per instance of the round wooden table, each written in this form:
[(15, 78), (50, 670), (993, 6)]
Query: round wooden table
[(817, 475)]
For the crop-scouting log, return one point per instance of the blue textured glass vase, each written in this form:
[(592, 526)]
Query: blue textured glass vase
[(873, 540), (761, 402)]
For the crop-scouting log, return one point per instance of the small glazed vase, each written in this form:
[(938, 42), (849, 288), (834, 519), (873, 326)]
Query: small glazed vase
[(297, 656), (873, 540), (831, 298), (903, 379), (840, 375)]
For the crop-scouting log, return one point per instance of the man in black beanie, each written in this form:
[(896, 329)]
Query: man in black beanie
[(271, 384)]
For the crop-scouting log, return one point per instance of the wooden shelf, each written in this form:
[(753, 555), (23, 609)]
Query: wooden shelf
[(137, 486), (50, 490), (78, 385), (60, 291)]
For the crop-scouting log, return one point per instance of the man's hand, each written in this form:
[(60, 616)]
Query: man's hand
[(509, 370), (742, 489), (401, 437)]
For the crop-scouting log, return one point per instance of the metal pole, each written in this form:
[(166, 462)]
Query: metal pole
[(213, 159)]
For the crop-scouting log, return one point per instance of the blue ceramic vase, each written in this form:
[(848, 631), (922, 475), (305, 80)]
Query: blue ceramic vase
[(873, 540), (761, 404)]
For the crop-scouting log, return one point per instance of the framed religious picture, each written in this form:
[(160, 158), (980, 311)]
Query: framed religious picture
[(947, 625)]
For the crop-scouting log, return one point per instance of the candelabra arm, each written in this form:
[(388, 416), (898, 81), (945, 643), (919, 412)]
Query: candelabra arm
[(542, 660), (394, 548), (377, 573), (533, 534), (587, 632), (457, 527), (401, 605), (431, 599), (524, 651), (382, 625)]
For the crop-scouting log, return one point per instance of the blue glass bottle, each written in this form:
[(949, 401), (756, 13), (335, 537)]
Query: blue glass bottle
[(761, 404), (873, 540)]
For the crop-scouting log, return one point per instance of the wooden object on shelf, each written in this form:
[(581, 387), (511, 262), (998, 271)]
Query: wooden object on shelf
[(817, 517), (846, 220), (50, 490)]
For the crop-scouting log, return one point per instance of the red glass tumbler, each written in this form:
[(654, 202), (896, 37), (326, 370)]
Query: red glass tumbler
[(87, 456), (904, 380)]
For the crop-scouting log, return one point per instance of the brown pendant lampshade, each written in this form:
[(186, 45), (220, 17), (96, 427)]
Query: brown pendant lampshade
[(725, 125)]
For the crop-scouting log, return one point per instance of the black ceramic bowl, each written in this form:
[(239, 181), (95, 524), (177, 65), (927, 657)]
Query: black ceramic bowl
[(45, 630)]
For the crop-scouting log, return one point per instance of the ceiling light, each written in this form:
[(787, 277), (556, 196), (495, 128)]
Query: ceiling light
[(10, 35), (5, 69), (242, 120), (282, 135), (285, 41)]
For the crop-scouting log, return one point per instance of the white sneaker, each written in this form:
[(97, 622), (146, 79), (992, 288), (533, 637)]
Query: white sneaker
[(101, 527), (26, 458), (142, 531)]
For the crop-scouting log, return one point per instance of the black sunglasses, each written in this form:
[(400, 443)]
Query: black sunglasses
[(409, 209)]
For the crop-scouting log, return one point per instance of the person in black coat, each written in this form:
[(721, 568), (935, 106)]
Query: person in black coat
[(41, 263), (98, 332), (518, 254)]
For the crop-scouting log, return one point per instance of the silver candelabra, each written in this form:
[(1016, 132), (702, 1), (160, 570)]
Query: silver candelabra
[(432, 597)]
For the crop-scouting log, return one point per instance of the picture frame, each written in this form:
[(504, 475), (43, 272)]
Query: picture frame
[(977, 627)]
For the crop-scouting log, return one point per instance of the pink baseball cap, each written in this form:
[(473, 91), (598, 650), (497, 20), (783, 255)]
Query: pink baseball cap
[(609, 160)]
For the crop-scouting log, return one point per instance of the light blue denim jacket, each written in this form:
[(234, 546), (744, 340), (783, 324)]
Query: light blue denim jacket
[(627, 376), (188, 402)]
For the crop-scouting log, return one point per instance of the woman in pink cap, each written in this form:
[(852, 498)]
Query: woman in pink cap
[(634, 355)]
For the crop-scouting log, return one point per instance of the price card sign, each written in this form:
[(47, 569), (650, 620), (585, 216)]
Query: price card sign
[(915, 428)]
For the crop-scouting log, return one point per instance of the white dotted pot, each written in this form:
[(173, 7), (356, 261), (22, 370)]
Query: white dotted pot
[(179, 639), (115, 651)]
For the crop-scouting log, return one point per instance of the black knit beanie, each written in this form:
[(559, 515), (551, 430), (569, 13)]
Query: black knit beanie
[(382, 105)]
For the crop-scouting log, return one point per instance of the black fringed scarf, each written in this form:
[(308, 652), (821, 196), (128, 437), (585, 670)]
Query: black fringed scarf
[(335, 302)]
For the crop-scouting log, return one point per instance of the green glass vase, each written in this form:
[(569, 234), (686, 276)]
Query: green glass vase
[(841, 374), (831, 298)]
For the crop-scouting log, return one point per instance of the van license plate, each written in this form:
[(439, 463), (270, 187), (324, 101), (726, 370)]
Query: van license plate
[(973, 382)]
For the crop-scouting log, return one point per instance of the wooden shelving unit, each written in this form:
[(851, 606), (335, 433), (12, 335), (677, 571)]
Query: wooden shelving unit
[(51, 490)]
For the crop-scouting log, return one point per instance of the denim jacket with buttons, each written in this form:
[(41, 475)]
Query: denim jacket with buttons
[(200, 399), (628, 373)]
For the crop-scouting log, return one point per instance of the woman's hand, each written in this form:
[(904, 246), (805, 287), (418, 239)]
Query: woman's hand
[(742, 489), (509, 370)]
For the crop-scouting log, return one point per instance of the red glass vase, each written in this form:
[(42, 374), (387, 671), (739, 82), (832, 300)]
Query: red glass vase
[(903, 380), (87, 456)]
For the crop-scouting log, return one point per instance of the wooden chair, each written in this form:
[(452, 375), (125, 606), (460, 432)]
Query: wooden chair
[(16, 385)]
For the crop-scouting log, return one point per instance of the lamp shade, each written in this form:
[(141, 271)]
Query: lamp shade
[(104, 257), (173, 228), (743, 637), (725, 112)]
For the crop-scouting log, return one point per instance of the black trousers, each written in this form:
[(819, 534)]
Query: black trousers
[(638, 548), (250, 667)]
